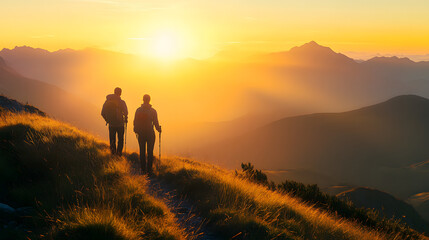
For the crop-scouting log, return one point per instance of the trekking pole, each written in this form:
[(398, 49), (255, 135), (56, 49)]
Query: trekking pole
[(159, 148), (126, 137)]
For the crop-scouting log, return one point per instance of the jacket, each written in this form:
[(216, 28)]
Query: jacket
[(145, 119), (122, 108)]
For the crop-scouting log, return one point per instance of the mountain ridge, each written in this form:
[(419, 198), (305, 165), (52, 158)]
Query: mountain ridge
[(310, 53), (393, 59), (51, 99), (386, 204), (381, 139), (308, 46)]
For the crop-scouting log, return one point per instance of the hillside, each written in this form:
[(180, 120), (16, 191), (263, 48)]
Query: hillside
[(95, 196), (10, 105), (88, 73), (420, 202), (90, 196), (386, 204), (53, 100), (380, 141)]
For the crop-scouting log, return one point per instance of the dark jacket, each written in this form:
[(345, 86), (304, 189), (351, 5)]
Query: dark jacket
[(122, 107), (145, 119)]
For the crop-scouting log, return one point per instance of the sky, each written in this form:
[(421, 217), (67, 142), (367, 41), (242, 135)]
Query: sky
[(200, 29)]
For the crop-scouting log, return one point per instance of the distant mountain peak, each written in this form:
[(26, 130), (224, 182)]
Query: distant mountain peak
[(403, 104), (411, 98), (313, 47), (312, 44), (309, 54), (25, 49), (315, 54), (393, 59)]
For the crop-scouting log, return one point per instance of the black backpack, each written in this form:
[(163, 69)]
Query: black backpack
[(143, 120), (112, 112)]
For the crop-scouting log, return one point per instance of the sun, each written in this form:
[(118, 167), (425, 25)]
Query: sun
[(166, 45)]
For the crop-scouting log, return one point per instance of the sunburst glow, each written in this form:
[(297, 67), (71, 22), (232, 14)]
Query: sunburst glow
[(166, 45)]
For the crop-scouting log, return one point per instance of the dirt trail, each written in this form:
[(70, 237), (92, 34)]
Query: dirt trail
[(183, 210)]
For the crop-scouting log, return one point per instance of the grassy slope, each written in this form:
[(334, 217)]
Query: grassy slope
[(77, 190), (80, 192), (237, 207)]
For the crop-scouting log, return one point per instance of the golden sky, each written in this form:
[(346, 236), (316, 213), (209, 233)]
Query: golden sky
[(199, 29)]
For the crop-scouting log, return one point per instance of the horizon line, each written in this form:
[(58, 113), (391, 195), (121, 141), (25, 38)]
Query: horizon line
[(369, 55)]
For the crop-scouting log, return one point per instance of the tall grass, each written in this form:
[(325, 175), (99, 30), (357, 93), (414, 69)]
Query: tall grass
[(311, 194), (80, 192), (77, 189), (240, 209)]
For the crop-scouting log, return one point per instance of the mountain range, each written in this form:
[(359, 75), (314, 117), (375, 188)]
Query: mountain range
[(51, 99), (289, 109), (372, 146), (386, 204), (261, 89), (420, 202), (310, 76)]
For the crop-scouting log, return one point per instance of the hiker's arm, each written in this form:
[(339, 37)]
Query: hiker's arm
[(134, 122), (103, 113), (155, 121)]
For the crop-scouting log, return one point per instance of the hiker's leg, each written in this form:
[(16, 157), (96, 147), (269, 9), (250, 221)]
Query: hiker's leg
[(120, 140), (150, 145), (112, 137), (142, 146)]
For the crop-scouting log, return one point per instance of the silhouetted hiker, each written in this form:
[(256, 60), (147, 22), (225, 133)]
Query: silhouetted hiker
[(115, 112), (144, 120)]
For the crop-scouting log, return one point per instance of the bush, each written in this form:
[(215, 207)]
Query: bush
[(254, 175)]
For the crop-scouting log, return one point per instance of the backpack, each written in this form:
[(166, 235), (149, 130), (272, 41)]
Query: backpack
[(111, 112), (143, 120)]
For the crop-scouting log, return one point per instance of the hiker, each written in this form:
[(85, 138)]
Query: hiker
[(115, 113), (144, 120)]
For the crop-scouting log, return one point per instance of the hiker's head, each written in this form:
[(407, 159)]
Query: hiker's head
[(118, 91), (146, 98)]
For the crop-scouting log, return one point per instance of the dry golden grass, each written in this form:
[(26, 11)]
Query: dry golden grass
[(77, 188), (94, 196), (285, 216)]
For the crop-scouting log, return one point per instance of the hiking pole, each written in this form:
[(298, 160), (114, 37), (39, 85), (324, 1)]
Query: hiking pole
[(159, 159), (126, 123)]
